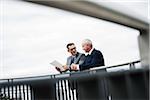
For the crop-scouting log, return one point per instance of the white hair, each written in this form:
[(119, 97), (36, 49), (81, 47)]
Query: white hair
[(87, 41)]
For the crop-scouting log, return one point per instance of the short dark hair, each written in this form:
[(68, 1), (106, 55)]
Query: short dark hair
[(69, 44)]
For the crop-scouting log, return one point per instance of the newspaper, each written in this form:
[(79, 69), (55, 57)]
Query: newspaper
[(57, 64)]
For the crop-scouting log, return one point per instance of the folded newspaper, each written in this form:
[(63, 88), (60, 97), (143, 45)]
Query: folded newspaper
[(57, 64)]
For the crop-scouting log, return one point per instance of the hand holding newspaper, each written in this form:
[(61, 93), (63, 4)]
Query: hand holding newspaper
[(58, 65)]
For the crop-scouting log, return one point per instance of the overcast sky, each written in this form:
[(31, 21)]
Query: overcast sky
[(32, 36)]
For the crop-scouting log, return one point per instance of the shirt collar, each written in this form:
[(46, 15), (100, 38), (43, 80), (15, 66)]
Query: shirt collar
[(89, 53)]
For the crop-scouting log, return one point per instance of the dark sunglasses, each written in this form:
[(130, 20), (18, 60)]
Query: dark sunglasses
[(73, 48)]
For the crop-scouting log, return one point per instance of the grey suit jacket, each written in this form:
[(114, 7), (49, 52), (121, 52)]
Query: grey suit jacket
[(79, 59)]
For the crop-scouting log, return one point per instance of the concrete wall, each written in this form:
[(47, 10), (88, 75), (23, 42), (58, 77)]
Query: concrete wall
[(143, 40)]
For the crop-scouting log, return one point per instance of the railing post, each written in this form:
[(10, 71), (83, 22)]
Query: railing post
[(91, 88), (44, 90), (132, 66)]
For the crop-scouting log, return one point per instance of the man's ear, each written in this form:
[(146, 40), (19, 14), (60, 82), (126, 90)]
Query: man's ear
[(68, 50)]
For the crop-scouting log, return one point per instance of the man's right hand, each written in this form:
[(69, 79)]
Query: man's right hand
[(65, 68)]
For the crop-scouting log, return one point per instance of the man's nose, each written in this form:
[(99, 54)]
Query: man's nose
[(74, 50)]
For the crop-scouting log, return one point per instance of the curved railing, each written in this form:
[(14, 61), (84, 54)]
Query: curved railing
[(89, 85)]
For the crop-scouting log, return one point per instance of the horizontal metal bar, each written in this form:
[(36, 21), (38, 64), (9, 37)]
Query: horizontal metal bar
[(32, 80), (95, 10)]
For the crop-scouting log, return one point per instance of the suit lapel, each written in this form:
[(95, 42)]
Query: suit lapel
[(77, 59)]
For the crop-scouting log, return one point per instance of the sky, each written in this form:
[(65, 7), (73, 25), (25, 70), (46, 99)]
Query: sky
[(32, 36), (135, 8)]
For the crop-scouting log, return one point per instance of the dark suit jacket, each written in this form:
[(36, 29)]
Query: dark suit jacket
[(94, 60)]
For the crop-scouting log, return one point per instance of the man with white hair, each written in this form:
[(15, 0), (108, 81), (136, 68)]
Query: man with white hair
[(94, 58)]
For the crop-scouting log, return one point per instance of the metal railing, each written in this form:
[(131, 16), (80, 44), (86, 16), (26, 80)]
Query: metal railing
[(17, 92), (86, 85)]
